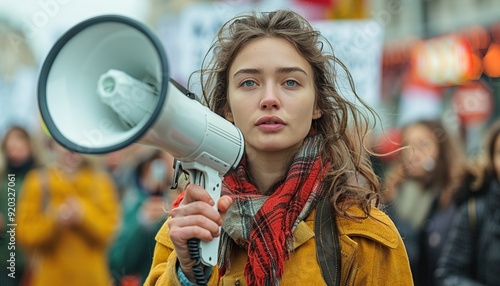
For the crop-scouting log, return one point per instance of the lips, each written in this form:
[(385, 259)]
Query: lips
[(270, 123), (270, 120)]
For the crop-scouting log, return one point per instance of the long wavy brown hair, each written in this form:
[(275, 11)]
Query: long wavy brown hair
[(350, 177)]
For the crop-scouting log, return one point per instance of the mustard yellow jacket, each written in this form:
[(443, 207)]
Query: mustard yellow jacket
[(68, 255), (372, 253)]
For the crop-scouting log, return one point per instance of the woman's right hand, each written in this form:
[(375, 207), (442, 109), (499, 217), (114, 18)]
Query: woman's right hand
[(195, 217)]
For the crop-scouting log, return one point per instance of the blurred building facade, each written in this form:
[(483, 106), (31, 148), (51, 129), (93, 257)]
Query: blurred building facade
[(430, 18), (441, 59)]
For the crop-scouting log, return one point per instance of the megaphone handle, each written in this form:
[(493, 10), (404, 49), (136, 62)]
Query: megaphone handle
[(209, 250), (211, 180), (204, 252)]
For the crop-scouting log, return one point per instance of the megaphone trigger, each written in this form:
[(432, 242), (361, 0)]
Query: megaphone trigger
[(177, 173)]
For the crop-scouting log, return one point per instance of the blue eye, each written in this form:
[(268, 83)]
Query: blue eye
[(248, 83), (291, 83)]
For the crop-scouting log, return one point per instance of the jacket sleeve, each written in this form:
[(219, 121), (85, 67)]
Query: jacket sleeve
[(164, 267), (455, 265), (102, 215), (36, 225)]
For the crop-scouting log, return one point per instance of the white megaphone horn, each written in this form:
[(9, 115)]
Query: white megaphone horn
[(105, 84)]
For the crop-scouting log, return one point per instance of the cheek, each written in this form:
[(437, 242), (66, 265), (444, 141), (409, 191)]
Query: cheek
[(238, 116), (305, 121), (239, 110), (305, 109)]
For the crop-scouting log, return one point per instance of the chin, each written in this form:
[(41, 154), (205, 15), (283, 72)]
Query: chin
[(276, 142), (279, 147)]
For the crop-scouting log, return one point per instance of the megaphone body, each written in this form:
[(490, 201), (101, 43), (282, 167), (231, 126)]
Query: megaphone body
[(105, 85)]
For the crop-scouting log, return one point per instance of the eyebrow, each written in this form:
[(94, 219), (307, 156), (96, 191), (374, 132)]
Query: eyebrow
[(278, 70), (247, 71), (290, 70)]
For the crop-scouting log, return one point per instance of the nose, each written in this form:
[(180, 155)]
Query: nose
[(270, 99)]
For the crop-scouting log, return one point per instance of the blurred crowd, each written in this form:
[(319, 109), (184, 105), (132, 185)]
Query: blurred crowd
[(430, 187), (79, 219)]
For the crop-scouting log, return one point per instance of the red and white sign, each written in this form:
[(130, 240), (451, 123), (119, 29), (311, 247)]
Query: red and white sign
[(473, 102)]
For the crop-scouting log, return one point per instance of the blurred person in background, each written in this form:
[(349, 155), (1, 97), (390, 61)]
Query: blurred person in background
[(145, 203), (119, 164), (68, 213), (421, 184), (472, 252), (19, 157)]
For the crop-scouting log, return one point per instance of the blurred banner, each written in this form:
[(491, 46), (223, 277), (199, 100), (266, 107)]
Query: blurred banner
[(358, 44)]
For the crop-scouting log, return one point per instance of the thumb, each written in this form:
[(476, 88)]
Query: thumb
[(224, 203)]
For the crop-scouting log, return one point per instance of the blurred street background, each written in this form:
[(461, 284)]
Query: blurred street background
[(410, 58)]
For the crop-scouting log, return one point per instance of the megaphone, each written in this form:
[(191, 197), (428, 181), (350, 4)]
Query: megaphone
[(105, 85)]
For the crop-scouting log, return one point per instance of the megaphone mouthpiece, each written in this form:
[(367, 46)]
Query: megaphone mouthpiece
[(131, 99)]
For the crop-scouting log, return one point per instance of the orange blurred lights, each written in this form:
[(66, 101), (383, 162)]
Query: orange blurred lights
[(445, 60), (491, 61), (476, 68), (452, 59)]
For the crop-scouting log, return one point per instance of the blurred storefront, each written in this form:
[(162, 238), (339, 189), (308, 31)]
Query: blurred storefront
[(444, 63)]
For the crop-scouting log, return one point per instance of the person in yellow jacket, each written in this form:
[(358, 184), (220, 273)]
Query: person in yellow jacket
[(301, 206), (67, 216)]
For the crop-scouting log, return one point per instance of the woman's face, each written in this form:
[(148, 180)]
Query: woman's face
[(422, 156), (271, 95), (496, 157)]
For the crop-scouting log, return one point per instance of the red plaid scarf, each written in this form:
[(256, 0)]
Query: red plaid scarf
[(265, 224)]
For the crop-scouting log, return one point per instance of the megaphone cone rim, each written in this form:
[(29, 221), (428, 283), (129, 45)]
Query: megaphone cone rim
[(52, 55)]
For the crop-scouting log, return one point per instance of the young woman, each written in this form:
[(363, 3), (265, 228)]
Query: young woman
[(424, 179), (272, 79), (472, 251), (20, 157)]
